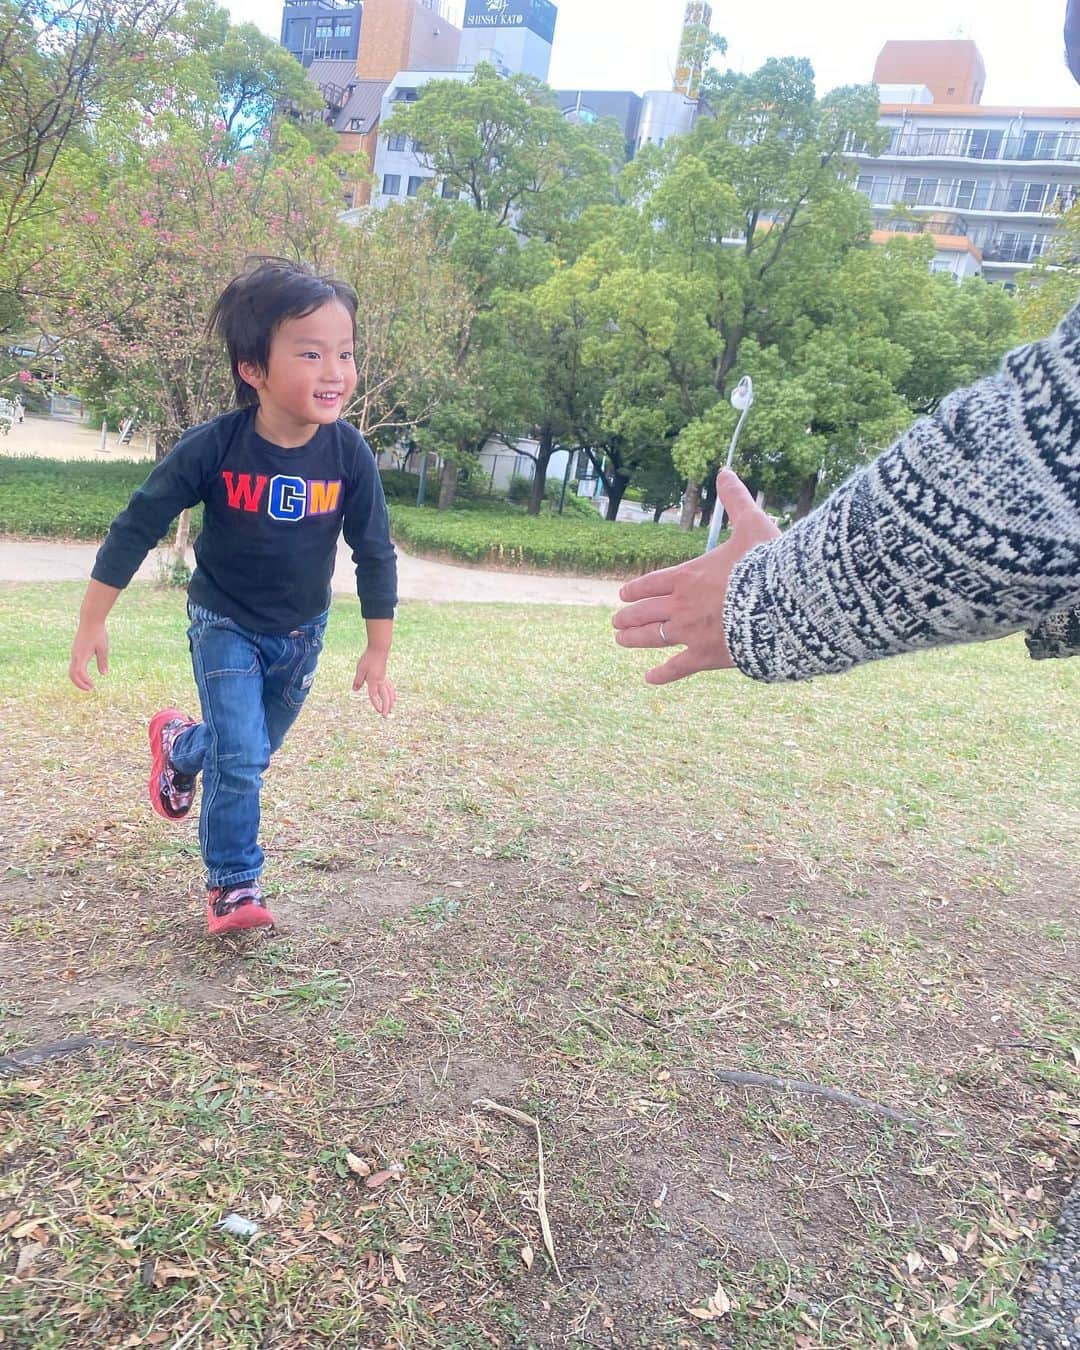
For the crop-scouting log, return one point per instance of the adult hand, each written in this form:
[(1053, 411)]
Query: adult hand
[(684, 605)]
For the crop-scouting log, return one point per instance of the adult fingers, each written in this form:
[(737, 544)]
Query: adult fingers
[(681, 665), (652, 583), (646, 635), (654, 610), (733, 494)]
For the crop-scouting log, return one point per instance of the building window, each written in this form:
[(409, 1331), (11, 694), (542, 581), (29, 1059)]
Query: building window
[(877, 187), (973, 194), (356, 124), (391, 184), (1026, 196), (405, 95), (1039, 145), (920, 191), (449, 192), (414, 185), (986, 144), (343, 28), (397, 143)]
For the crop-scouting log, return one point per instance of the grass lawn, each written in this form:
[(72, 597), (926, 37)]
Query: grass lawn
[(542, 885)]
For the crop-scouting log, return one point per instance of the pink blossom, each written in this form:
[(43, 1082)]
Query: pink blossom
[(25, 377), (89, 217), (145, 218)]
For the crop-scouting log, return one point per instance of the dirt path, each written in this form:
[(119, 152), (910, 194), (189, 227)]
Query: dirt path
[(418, 578)]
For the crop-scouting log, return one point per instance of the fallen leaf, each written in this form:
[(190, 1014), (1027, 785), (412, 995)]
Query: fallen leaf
[(909, 1339), (357, 1165), (719, 1305), (28, 1255), (527, 1255), (274, 1206), (399, 1271), (377, 1179), (914, 1262), (949, 1254), (30, 1227), (166, 1272), (9, 1220)]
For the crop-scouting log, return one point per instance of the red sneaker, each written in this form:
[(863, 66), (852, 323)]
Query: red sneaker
[(171, 793), (230, 909)]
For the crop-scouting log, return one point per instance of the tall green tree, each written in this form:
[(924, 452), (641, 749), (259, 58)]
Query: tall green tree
[(64, 65), (753, 207), (236, 77), (516, 180)]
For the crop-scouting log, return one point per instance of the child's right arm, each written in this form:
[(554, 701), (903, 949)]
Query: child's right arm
[(179, 481), (91, 639)]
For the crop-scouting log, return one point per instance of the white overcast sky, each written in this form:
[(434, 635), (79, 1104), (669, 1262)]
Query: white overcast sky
[(631, 44)]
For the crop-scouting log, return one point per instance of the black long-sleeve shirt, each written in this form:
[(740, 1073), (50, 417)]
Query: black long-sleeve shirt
[(271, 521)]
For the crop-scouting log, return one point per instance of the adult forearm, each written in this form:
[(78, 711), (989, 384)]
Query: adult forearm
[(968, 527)]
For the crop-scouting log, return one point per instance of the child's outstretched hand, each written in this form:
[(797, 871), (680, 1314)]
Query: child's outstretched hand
[(91, 642), (371, 671)]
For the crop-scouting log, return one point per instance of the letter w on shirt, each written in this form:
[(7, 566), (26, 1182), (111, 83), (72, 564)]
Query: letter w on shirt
[(243, 494)]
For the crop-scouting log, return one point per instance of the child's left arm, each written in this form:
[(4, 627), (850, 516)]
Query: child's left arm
[(371, 668)]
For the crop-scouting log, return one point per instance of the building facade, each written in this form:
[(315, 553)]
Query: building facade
[(514, 36), (321, 30), (990, 184)]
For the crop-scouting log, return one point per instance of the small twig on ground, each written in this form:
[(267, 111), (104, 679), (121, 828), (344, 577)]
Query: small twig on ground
[(21, 1060), (530, 1122), (771, 1082)]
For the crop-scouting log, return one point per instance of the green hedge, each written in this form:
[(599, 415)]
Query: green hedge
[(593, 548), (64, 499), (78, 499)]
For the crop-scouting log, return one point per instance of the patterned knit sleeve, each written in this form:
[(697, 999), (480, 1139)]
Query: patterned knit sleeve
[(967, 528)]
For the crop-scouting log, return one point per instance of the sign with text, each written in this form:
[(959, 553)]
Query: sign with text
[(536, 15)]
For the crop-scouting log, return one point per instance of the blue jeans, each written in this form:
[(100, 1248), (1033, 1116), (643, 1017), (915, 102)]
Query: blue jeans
[(251, 687)]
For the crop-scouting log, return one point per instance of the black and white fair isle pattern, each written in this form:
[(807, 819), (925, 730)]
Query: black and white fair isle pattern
[(968, 527)]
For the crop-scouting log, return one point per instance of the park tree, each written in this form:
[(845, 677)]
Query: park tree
[(414, 309), (64, 64), (754, 208), (234, 77), (502, 145), (1050, 290), (140, 265), (516, 179)]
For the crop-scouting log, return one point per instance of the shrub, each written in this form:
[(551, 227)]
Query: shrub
[(67, 499), (592, 547)]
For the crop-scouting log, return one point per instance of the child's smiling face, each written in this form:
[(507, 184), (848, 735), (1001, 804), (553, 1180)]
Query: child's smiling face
[(310, 374)]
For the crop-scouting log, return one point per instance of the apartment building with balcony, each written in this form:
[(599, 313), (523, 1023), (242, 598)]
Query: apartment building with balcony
[(990, 184)]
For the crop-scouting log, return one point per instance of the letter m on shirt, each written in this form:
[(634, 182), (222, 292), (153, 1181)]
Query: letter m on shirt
[(243, 493), (324, 497)]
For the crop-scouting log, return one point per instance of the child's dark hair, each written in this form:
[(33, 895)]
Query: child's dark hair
[(255, 304)]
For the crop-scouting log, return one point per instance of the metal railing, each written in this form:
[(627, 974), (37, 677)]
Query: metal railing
[(1028, 147), (1016, 250), (1017, 199)]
